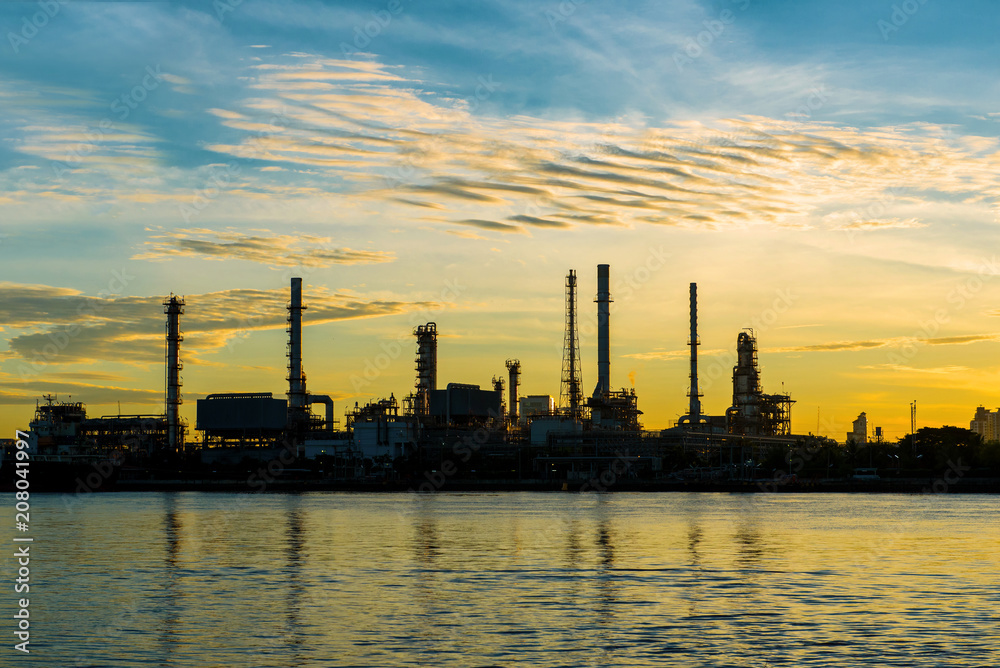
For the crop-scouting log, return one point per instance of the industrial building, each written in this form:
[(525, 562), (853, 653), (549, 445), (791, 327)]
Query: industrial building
[(505, 432), (753, 412)]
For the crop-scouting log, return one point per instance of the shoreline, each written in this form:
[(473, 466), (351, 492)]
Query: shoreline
[(912, 486)]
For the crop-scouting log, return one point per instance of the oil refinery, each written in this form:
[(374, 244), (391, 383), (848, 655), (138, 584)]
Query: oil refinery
[(494, 431)]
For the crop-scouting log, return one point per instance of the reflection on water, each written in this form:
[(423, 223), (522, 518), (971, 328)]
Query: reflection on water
[(295, 555), (517, 579), (170, 579)]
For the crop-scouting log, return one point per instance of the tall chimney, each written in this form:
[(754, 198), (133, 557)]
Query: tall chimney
[(694, 411), (603, 331), (296, 379), (174, 307)]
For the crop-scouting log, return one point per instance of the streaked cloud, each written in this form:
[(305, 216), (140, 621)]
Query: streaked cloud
[(894, 342), (401, 141), (65, 326), (667, 355), (263, 247), (842, 221), (903, 368)]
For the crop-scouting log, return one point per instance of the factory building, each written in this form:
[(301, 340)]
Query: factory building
[(535, 404), (513, 433), (464, 405), (252, 419), (753, 412), (379, 432)]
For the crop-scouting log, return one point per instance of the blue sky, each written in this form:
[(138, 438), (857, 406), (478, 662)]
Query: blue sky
[(845, 150)]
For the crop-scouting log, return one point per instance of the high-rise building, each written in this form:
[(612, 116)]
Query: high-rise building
[(986, 423), (859, 431)]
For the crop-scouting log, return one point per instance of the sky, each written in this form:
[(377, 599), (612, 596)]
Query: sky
[(825, 172)]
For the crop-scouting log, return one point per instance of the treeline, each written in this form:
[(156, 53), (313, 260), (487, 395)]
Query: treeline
[(931, 452)]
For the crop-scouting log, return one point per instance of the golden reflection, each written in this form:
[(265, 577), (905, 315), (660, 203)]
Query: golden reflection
[(295, 587), (171, 577), (607, 589)]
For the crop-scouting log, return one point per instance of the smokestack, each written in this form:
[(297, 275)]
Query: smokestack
[(694, 411), (603, 331), (513, 380), (174, 307), (296, 379)]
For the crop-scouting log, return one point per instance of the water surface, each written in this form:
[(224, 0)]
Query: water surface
[(512, 579)]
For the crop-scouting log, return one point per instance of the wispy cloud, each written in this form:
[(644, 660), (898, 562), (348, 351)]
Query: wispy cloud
[(903, 368), (263, 247), (851, 221), (834, 346), (66, 326), (667, 355), (401, 141)]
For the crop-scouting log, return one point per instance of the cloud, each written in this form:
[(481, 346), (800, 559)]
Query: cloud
[(265, 248), (894, 342), (27, 392), (903, 368), (491, 225), (963, 340), (836, 346), (405, 142), (538, 222), (838, 221), (667, 355), (69, 327), (378, 134)]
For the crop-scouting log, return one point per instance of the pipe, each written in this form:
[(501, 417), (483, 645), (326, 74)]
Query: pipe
[(603, 331), (174, 307), (296, 380), (324, 399), (694, 411)]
